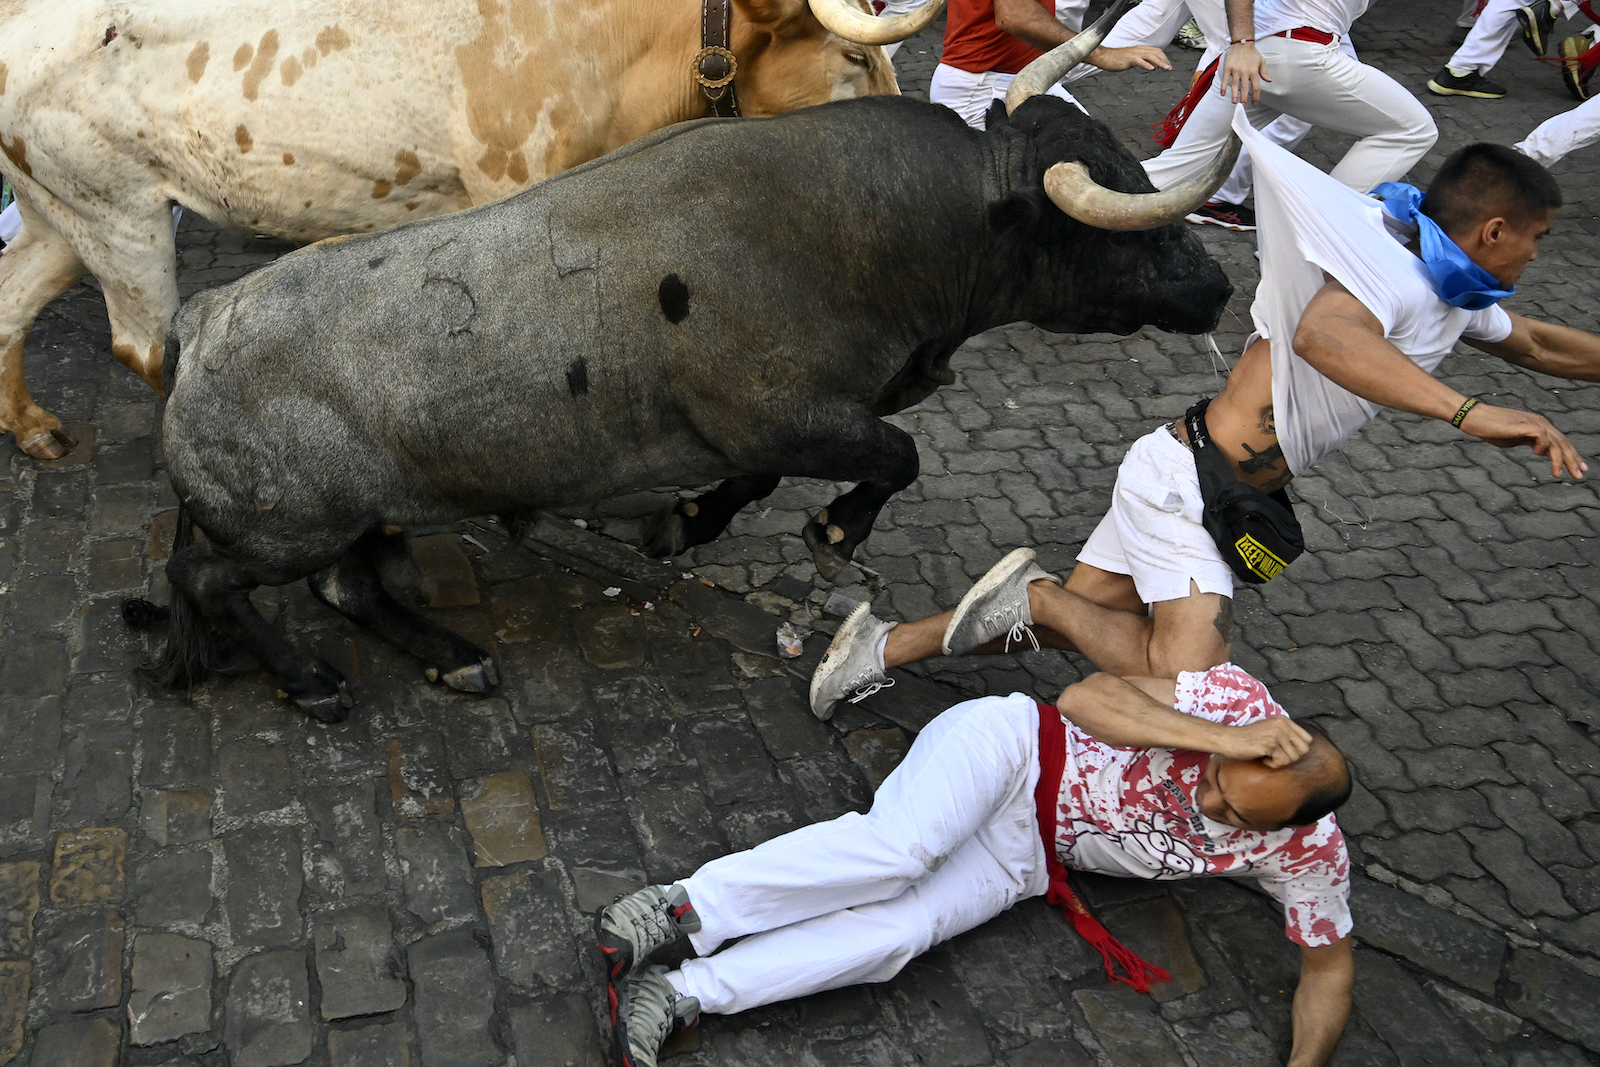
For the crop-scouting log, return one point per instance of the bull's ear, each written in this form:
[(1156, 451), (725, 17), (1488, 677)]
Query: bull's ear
[(769, 12), (1017, 211)]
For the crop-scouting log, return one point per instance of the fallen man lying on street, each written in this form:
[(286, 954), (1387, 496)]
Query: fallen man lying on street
[(1143, 778), (1361, 302)]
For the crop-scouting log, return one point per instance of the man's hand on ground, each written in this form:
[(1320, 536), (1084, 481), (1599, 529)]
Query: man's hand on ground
[(1278, 741), (1143, 56), (1508, 427), (1243, 71)]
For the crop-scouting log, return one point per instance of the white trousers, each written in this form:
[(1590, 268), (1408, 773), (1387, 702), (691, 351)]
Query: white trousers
[(970, 95), (1566, 132), (1496, 25), (1324, 86), (1157, 22), (900, 7), (951, 841)]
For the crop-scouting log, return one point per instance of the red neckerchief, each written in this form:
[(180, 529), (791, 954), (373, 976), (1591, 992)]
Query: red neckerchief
[(1052, 765)]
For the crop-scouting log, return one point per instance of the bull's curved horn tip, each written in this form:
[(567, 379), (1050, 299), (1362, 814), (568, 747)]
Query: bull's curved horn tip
[(853, 22)]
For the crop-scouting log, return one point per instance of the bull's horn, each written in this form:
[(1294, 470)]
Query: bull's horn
[(846, 19), (1072, 190), (1037, 77)]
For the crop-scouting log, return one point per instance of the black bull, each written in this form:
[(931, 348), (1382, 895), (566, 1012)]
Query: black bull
[(720, 300)]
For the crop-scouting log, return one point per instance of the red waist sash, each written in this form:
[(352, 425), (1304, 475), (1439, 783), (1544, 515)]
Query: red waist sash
[(1052, 765)]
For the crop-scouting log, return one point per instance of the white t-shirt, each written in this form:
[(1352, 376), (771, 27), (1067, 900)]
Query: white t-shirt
[(1132, 812), (1329, 16), (1309, 224)]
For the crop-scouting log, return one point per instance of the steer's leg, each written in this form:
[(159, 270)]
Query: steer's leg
[(219, 586), (137, 269), (868, 451), (694, 522), (34, 269), (352, 587)]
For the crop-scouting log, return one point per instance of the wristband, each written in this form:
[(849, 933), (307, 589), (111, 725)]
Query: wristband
[(1461, 415), (1242, 40)]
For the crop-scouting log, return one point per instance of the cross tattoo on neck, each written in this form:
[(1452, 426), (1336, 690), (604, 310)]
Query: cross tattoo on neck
[(1260, 461)]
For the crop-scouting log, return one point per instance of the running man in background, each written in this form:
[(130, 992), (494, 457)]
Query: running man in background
[(1465, 73)]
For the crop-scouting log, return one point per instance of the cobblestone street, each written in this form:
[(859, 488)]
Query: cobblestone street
[(220, 881)]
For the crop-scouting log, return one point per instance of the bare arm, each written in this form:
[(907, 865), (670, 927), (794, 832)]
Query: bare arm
[(1243, 69), (1120, 713), (1547, 348), (1027, 20), (1341, 338), (1322, 1001)]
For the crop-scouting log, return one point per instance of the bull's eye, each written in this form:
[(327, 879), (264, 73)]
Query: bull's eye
[(856, 56)]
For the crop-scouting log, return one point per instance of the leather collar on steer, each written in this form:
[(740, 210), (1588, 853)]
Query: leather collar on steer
[(714, 65)]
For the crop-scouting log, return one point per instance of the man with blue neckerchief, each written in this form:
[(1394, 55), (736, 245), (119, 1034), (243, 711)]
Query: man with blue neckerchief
[(1360, 300)]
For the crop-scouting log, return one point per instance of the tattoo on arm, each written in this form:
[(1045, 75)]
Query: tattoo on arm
[(1260, 461), (1267, 423), (1224, 620)]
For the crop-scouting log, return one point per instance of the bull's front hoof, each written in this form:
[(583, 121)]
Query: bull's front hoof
[(825, 549), (478, 678), (48, 444), (667, 534), (327, 707)]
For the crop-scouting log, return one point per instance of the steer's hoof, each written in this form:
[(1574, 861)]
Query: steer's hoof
[(666, 535), (327, 707), (478, 678), (825, 551), (48, 444)]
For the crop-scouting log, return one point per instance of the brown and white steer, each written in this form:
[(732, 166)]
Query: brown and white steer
[(305, 119)]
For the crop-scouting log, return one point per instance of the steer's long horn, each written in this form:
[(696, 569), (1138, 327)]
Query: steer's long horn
[(845, 19), (1072, 190), (1037, 77)]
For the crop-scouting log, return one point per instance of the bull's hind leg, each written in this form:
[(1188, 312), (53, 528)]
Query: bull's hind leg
[(697, 521), (352, 587), (34, 269), (220, 588)]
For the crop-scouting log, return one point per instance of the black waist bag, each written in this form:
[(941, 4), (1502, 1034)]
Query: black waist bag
[(1256, 532)]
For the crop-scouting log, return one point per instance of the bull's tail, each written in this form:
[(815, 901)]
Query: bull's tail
[(190, 655)]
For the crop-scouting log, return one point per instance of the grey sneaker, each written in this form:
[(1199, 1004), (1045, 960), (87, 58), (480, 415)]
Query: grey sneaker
[(1190, 37), (635, 927), (997, 605), (645, 1010), (1537, 20), (852, 669)]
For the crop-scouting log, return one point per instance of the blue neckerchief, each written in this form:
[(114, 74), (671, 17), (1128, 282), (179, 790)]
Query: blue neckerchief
[(1458, 281)]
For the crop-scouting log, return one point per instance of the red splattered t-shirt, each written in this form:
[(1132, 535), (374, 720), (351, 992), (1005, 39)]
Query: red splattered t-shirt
[(1132, 812)]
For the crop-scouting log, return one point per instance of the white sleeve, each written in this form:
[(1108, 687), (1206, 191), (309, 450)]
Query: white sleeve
[(1491, 324)]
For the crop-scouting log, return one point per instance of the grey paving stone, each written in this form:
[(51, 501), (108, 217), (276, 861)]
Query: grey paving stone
[(256, 777), (1555, 995), (533, 947), (382, 1045), (171, 993), (454, 992), (78, 1043), (558, 1031), (434, 872), (175, 817), (96, 776), (78, 966), (939, 1022), (1532, 890), (265, 883), (173, 889), (1231, 1039), (1130, 1036), (269, 1010), (175, 745), (1430, 937), (1411, 1024), (674, 827), (346, 853), (779, 708), (357, 965)]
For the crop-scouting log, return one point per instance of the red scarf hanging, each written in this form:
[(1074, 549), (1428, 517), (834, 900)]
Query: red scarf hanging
[(1052, 765), (1588, 9), (1167, 129)]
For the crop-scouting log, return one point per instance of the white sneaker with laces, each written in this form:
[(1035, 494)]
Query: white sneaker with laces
[(997, 605)]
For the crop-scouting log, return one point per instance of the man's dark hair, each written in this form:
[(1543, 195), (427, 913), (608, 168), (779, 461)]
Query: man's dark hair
[(1482, 181), (1325, 765)]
